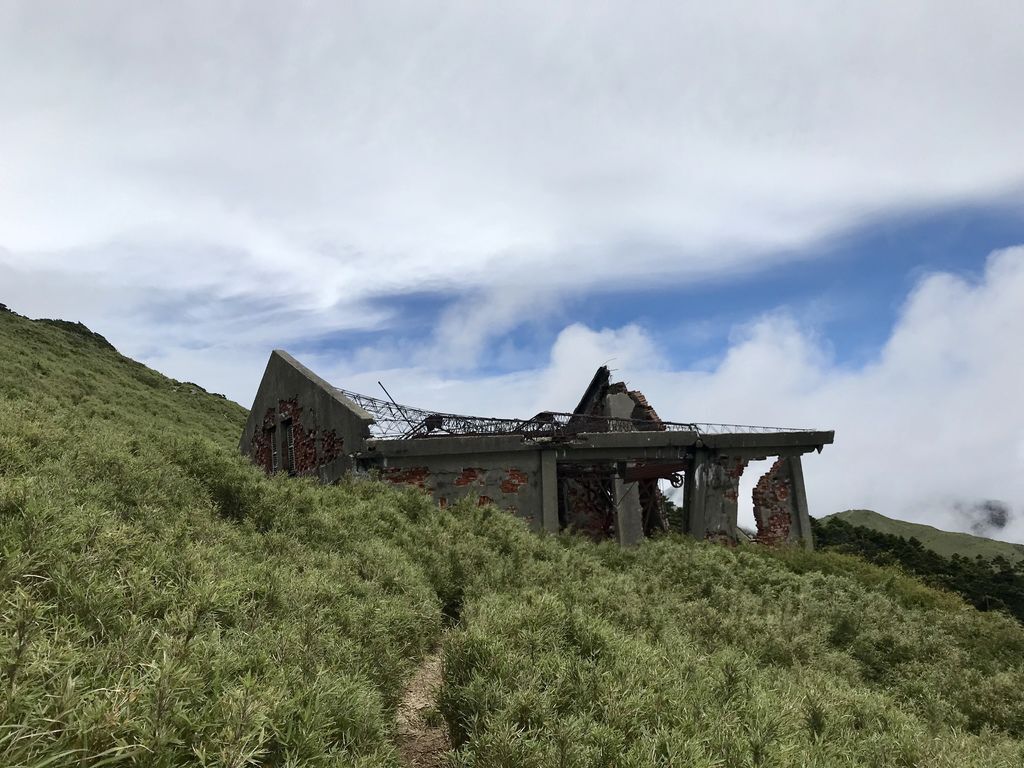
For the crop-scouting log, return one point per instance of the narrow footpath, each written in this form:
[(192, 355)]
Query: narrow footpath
[(421, 745)]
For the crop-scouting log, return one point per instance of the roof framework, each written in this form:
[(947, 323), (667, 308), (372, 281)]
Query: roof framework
[(392, 421)]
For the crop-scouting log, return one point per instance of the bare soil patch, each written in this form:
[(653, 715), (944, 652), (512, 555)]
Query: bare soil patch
[(421, 745)]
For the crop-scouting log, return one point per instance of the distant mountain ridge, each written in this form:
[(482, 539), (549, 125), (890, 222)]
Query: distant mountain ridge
[(946, 543)]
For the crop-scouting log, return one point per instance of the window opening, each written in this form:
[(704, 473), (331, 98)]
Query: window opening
[(272, 439)]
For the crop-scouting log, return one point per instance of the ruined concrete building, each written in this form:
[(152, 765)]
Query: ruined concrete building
[(596, 470)]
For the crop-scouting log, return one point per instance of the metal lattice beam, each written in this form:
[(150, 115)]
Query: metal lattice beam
[(394, 421)]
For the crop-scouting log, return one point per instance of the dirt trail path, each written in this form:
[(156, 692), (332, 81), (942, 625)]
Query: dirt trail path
[(421, 745)]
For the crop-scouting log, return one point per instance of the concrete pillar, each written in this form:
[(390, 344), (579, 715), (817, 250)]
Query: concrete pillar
[(629, 521), (549, 491), (710, 496), (801, 515), (629, 516), (693, 496)]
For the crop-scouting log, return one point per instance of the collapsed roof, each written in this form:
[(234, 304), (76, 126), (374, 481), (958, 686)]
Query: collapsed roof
[(395, 421)]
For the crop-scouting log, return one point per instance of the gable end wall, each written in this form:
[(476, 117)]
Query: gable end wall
[(327, 427)]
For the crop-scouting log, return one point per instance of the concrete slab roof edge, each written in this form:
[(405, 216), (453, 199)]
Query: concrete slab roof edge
[(330, 390), (435, 446), (763, 440)]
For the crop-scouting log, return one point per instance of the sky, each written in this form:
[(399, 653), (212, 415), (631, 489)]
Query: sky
[(787, 213)]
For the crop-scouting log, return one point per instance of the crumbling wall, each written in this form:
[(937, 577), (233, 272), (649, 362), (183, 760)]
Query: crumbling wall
[(303, 460), (711, 498), (635, 407), (509, 481), (261, 443), (772, 505), (313, 446), (780, 508), (418, 476)]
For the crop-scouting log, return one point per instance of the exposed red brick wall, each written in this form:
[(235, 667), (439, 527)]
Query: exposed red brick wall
[(773, 505), (486, 485), (514, 480), (469, 476), (644, 411), (331, 446), (735, 468), (734, 471), (417, 476), (307, 457), (261, 448)]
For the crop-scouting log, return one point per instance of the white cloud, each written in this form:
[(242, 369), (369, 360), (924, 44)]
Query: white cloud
[(325, 154)]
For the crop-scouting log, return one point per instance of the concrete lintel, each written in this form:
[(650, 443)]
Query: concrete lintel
[(771, 443), (611, 446), (757, 454), (608, 445), (667, 454), (655, 470), (650, 439)]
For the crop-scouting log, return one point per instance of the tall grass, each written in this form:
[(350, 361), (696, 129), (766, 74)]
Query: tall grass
[(687, 654), (162, 603)]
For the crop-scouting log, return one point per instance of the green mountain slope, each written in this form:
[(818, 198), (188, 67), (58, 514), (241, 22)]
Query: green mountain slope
[(165, 604), (989, 585), (946, 543)]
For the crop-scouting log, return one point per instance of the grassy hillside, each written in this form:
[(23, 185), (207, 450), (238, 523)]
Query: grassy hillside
[(164, 604), (946, 543), (988, 585)]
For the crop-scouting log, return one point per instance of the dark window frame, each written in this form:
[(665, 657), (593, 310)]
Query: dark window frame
[(274, 455)]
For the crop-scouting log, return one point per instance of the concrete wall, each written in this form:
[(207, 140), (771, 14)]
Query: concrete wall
[(511, 481), (326, 426), (780, 500), (711, 496)]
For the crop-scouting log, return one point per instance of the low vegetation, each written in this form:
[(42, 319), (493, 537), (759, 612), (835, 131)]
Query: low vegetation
[(989, 584), (165, 604)]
